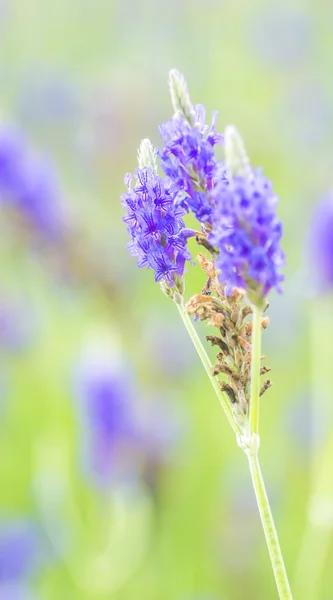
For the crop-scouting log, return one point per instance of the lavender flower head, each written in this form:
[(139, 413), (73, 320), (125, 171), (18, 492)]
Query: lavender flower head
[(16, 331), (246, 229), (14, 591), (28, 184), (241, 234), (233, 202), (188, 158), (154, 221), (321, 245), (105, 399), (18, 551)]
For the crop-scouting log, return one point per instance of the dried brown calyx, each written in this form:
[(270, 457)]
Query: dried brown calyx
[(230, 316)]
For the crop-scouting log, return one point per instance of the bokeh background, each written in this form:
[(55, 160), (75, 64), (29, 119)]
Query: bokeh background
[(119, 476)]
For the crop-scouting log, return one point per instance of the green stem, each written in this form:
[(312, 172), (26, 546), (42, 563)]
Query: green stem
[(257, 480), (255, 370), (224, 400), (271, 536)]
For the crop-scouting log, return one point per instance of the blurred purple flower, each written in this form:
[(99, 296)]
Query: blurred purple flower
[(16, 592), (120, 436), (28, 183), (19, 550), (320, 246), (15, 329), (105, 398)]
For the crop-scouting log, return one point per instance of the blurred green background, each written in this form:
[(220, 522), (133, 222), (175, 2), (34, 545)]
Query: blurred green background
[(85, 81)]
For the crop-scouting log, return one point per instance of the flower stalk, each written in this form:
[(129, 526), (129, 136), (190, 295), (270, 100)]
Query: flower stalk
[(255, 370), (248, 439), (222, 397), (240, 232), (270, 532)]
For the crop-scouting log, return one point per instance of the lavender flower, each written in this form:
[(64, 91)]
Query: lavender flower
[(234, 202), (18, 551), (188, 158), (155, 224), (14, 591), (121, 438), (16, 331), (321, 245), (239, 205), (242, 234), (27, 183), (247, 233), (105, 399)]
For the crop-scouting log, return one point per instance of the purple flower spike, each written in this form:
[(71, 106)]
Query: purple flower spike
[(105, 399), (188, 158), (16, 331), (234, 203), (155, 224), (14, 591), (28, 183), (321, 245), (247, 234), (18, 551)]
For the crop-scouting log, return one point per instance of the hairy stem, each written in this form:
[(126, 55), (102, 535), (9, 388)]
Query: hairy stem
[(224, 400), (255, 370), (271, 536)]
